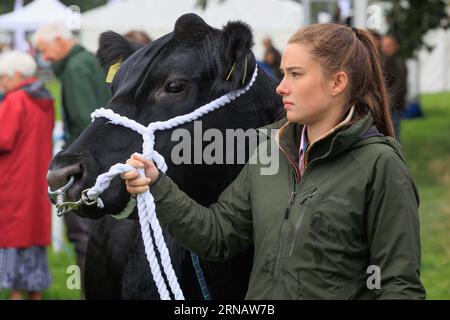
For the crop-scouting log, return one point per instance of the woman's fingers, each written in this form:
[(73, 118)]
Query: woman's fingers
[(130, 175), (150, 169), (138, 182), (137, 156), (137, 185), (136, 190), (135, 163), (148, 164), (134, 182)]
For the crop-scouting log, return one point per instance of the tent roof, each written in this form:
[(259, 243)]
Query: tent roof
[(130, 14), (259, 14), (278, 19), (33, 15)]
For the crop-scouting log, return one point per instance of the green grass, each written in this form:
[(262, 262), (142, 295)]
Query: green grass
[(55, 89), (427, 146), (59, 262)]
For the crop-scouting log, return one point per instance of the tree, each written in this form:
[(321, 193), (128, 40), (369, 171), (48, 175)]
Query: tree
[(411, 20), (84, 4), (8, 5)]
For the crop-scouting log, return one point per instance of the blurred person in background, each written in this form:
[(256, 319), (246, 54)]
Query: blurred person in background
[(26, 122), (138, 36), (3, 47), (83, 90), (82, 79), (272, 58), (395, 70)]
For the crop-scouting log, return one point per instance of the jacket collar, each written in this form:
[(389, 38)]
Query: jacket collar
[(337, 140), (34, 88), (58, 67), (23, 83)]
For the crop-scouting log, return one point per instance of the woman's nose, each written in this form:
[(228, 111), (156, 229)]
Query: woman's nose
[(282, 89)]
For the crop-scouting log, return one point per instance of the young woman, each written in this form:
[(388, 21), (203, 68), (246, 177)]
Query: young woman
[(26, 125), (339, 219)]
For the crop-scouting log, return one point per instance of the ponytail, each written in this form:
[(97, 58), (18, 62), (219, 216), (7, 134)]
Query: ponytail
[(377, 99)]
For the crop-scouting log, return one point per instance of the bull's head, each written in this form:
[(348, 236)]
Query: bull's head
[(174, 75)]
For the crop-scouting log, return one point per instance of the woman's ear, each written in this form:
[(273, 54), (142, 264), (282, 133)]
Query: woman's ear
[(339, 84)]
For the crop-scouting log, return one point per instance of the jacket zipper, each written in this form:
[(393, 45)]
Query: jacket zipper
[(300, 219), (297, 182), (283, 227)]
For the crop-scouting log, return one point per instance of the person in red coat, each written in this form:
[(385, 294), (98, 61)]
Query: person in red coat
[(26, 124)]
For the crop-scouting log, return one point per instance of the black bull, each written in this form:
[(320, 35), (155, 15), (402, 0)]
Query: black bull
[(180, 71)]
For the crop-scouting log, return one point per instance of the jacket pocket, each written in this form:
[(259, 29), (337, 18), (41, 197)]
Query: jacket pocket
[(304, 201)]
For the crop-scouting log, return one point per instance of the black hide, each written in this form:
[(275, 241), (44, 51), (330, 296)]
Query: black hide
[(174, 75)]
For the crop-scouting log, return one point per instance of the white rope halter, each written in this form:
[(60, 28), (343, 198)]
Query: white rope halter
[(146, 202)]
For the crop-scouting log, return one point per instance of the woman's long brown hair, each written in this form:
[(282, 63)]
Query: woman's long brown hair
[(341, 48)]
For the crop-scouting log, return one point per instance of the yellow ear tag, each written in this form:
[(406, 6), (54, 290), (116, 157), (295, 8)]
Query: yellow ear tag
[(112, 71)]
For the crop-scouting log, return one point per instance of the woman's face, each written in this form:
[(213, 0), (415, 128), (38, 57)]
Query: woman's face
[(306, 92), (7, 83)]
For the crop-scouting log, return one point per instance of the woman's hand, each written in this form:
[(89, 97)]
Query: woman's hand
[(136, 184)]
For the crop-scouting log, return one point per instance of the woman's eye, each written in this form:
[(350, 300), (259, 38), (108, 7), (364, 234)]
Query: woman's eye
[(296, 74), (175, 86)]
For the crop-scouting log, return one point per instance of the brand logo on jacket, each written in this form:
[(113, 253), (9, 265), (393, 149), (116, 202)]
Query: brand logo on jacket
[(342, 201)]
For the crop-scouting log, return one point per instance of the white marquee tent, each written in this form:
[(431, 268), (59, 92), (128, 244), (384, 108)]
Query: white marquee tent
[(275, 18), (30, 17), (432, 68)]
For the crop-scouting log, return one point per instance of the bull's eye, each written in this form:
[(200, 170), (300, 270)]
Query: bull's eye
[(175, 86)]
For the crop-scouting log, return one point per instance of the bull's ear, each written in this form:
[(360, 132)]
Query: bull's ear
[(190, 26), (237, 59), (114, 48)]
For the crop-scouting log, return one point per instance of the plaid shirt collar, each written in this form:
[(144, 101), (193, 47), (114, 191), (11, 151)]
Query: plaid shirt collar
[(302, 151)]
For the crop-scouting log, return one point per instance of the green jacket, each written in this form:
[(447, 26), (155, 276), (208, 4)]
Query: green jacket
[(83, 89), (355, 206)]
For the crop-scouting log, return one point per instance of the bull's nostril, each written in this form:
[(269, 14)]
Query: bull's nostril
[(59, 177)]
